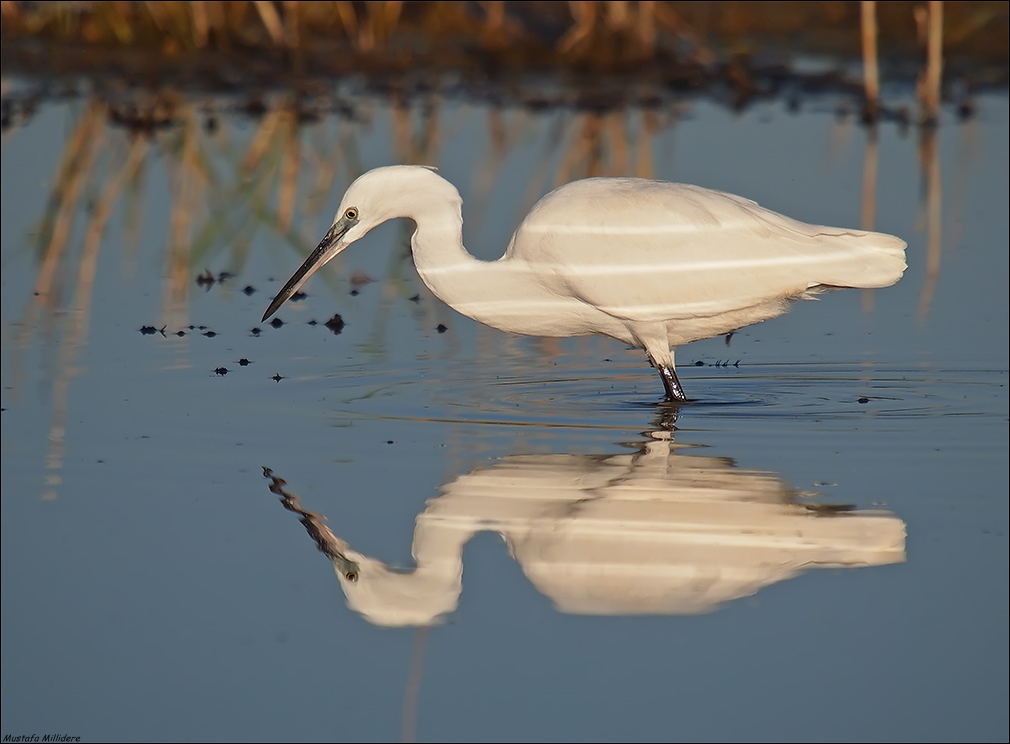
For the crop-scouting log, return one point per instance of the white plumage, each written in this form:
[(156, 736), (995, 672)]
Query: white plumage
[(651, 263)]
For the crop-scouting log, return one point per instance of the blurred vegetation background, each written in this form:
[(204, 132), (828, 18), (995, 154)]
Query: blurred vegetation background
[(170, 88), (748, 46), (231, 121)]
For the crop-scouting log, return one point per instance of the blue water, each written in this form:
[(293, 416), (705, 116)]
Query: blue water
[(153, 587)]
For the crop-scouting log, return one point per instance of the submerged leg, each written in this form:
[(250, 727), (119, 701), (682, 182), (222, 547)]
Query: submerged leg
[(674, 390), (661, 356)]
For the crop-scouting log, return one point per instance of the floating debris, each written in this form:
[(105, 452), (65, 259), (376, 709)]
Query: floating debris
[(254, 107), (248, 290), (298, 297), (207, 280), (243, 362), (148, 120), (210, 334), (255, 331), (864, 400), (151, 330), (441, 328), (277, 378), (276, 322), (221, 371), (415, 298), (335, 324)]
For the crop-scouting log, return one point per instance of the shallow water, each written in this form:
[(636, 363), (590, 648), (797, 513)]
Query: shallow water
[(154, 587)]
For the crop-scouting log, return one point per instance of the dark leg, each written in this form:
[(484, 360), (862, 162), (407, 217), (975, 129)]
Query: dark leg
[(674, 391)]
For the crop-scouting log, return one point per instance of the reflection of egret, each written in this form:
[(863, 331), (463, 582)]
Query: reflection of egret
[(655, 532), (650, 263)]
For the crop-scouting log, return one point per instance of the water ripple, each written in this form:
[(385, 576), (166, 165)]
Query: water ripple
[(530, 392)]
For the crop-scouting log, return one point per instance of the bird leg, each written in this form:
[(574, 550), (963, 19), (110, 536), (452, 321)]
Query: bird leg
[(674, 390)]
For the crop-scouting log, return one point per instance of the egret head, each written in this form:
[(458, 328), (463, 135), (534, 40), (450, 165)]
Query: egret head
[(397, 598), (377, 196)]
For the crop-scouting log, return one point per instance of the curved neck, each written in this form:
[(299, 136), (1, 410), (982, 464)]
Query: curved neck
[(439, 254), (417, 597), (483, 290)]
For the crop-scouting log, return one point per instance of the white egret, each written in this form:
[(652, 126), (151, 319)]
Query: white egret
[(651, 263)]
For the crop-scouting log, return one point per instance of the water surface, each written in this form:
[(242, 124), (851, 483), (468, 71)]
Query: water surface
[(154, 587)]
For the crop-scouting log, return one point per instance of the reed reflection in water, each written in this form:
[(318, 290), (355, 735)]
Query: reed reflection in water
[(227, 185), (189, 638)]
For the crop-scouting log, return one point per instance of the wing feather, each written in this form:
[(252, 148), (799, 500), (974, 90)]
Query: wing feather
[(651, 250)]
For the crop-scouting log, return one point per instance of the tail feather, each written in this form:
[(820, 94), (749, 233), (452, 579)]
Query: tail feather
[(866, 260)]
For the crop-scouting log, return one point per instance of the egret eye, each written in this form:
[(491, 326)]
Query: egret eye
[(351, 576), (351, 213)]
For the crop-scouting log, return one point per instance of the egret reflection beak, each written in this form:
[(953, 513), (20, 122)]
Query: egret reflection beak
[(328, 247)]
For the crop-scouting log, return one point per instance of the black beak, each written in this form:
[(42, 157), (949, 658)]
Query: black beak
[(323, 253)]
